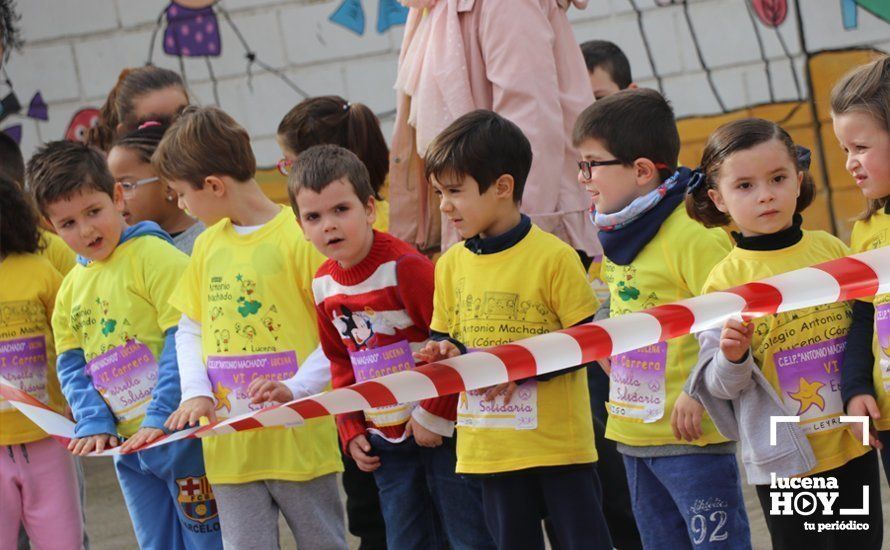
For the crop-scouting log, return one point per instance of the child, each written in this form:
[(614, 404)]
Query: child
[(629, 145), (754, 176), (141, 93), (114, 335), (374, 296), (51, 247), (860, 109), (608, 68), (609, 72), (247, 312), (146, 197), (510, 280), (332, 119), (38, 479)]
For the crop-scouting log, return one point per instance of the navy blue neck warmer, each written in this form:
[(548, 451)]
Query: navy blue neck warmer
[(621, 246)]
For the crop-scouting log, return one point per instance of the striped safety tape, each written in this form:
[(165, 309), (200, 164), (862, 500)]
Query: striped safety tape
[(857, 276)]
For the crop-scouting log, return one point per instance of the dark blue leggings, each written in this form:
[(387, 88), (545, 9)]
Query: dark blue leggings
[(884, 438)]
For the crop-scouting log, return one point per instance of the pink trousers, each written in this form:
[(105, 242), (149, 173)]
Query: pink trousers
[(38, 487)]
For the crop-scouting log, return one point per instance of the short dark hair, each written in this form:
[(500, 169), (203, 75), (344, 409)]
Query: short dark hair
[(483, 145), (321, 165), (202, 142), (12, 165), (61, 169), (608, 56), (18, 220), (633, 124), (740, 135)]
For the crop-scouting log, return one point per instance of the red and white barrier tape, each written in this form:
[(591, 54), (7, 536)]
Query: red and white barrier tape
[(857, 276)]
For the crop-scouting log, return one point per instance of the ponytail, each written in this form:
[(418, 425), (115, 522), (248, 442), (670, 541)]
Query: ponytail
[(119, 108), (332, 120)]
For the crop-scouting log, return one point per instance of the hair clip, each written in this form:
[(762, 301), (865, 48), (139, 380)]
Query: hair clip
[(346, 106), (804, 156), (696, 180), (148, 124)]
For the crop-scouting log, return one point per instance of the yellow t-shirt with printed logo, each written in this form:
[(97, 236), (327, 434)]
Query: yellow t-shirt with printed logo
[(644, 384), (868, 235), (54, 249), (800, 352), (108, 306), (252, 295), (534, 287), (28, 286)]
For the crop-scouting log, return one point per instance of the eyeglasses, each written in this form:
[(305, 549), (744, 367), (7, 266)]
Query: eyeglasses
[(131, 186), (587, 165), (284, 166)]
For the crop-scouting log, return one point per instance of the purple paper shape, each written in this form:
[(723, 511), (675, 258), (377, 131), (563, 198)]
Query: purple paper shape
[(37, 108), (15, 132)]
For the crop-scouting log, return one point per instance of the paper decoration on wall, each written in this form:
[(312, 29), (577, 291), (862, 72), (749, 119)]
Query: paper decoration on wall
[(9, 105), (192, 30), (771, 12), (37, 109), (351, 15), (81, 122), (15, 132), (850, 12)]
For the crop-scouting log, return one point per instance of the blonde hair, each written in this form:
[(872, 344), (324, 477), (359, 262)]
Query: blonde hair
[(866, 89), (204, 141)]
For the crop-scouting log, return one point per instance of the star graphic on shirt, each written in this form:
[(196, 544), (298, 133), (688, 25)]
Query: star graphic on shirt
[(808, 395), (222, 397)]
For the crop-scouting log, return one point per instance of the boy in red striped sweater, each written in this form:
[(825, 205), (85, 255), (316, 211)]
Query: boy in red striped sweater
[(374, 297)]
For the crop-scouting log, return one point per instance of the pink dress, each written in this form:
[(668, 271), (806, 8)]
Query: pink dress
[(518, 58)]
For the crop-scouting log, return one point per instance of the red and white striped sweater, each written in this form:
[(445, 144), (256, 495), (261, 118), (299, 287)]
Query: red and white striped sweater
[(384, 301)]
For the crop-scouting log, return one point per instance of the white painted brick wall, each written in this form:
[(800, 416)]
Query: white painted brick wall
[(76, 48)]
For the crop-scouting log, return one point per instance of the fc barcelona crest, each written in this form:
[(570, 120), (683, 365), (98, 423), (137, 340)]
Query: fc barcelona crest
[(196, 498)]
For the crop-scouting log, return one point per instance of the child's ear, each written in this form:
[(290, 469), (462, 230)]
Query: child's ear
[(371, 210), (632, 86), (503, 187), (800, 176), (644, 171), (718, 201), (216, 185), (117, 197)]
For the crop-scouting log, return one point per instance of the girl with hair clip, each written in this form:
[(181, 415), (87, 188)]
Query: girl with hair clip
[(754, 176), (140, 93), (860, 109), (38, 480), (333, 120), (146, 196)]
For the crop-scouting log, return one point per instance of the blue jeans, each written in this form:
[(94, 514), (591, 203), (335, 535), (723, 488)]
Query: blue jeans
[(688, 501), (425, 504), (169, 499)]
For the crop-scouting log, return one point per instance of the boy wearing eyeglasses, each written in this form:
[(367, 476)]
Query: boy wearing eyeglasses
[(655, 254), (528, 442)]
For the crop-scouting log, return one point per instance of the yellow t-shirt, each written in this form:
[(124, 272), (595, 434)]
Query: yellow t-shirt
[(800, 352), (381, 223), (116, 310), (534, 287), (645, 383), (868, 235), (54, 249), (252, 295), (28, 286)]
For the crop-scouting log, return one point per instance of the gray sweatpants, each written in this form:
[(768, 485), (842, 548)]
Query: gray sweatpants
[(248, 513)]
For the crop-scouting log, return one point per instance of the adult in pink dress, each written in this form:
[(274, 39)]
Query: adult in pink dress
[(518, 58)]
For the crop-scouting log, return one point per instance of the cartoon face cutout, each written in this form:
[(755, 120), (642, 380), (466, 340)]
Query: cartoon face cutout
[(81, 123)]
